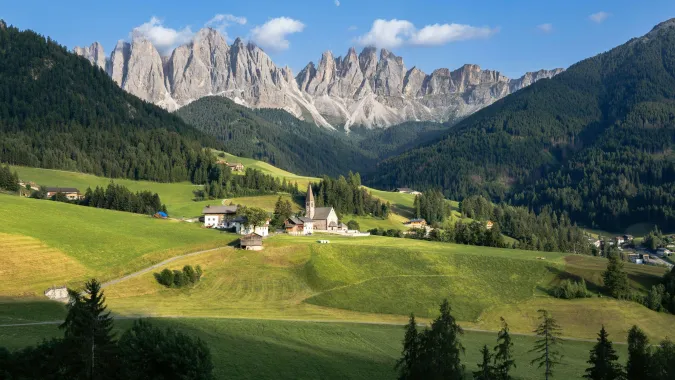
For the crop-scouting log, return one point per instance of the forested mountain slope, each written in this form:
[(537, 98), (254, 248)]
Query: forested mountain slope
[(277, 137), (58, 111), (596, 141)]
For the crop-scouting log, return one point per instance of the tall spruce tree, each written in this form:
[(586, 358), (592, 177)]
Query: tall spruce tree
[(639, 353), (503, 358), (409, 365), (603, 360), (549, 333), (442, 348), (485, 369), (88, 334), (615, 277)]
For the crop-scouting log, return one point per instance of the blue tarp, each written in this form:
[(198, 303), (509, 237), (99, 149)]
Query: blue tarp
[(162, 214)]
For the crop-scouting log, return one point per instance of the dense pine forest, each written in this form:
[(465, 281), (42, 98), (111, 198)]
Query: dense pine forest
[(274, 136), (347, 196), (595, 141), (58, 111)]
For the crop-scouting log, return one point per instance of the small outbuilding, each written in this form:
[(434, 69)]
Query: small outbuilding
[(251, 242)]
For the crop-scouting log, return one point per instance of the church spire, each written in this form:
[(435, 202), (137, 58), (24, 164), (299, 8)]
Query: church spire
[(309, 203)]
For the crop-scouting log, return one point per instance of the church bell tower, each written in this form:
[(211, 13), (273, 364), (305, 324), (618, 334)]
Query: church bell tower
[(309, 203)]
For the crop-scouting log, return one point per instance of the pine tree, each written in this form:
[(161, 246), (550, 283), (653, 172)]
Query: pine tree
[(549, 333), (615, 277), (603, 360), (503, 358), (442, 349), (409, 364), (88, 333), (485, 370), (638, 366)]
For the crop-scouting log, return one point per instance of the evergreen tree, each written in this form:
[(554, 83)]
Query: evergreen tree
[(503, 358), (409, 365), (603, 360), (442, 349), (549, 333), (282, 211), (638, 366), (88, 334), (615, 277), (485, 369)]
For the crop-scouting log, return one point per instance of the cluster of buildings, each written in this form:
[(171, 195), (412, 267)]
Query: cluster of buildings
[(316, 219), (234, 166)]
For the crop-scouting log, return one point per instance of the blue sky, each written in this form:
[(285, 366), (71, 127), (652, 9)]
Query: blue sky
[(512, 36)]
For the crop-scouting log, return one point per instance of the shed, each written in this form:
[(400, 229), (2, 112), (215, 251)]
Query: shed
[(251, 242)]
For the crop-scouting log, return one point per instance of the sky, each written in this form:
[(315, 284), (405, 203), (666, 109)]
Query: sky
[(511, 36)]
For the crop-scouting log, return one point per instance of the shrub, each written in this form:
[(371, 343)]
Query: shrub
[(353, 225), (568, 290), (165, 277), (179, 278)]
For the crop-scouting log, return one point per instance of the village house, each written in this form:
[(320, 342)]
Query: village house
[(242, 227), (71, 193), (322, 217), (219, 216), (299, 225), (663, 252), (416, 223), (236, 166), (620, 240), (406, 190), (251, 242), (489, 225), (635, 258)]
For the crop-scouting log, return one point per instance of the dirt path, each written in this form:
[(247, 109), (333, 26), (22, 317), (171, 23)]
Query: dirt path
[(155, 266)]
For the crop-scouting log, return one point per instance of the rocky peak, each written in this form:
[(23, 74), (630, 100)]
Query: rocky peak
[(93, 53), (368, 61), (390, 74)]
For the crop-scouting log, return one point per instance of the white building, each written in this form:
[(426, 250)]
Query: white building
[(219, 216), (242, 227)]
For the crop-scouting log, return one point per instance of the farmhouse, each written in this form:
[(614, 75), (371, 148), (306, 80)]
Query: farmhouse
[(71, 193), (416, 223), (251, 242), (322, 217), (236, 166), (242, 227), (299, 225), (219, 216), (406, 190), (489, 225), (663, 252)]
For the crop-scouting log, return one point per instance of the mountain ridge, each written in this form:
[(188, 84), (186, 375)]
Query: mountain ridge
[(354, 90)]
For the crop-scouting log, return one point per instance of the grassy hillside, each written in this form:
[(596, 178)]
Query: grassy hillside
[(45, 243), (248, 349)]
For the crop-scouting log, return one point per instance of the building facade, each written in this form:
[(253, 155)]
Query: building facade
[(219, 216), (322, 217)]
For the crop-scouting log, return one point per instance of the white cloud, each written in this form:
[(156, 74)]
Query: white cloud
[(395, 33), (388, 34), (337, 3), (272, 35), (225, 19), (546, 28), (163, 38), (438, 34), (599, 17), (352, 28)]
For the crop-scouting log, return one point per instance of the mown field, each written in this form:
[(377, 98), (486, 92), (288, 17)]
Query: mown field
[(44, 243), (250, 349)]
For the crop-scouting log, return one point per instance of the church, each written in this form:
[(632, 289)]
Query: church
[(323, 218)]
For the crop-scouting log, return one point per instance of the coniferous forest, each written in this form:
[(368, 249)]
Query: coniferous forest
[(595, 141), (58, 111)]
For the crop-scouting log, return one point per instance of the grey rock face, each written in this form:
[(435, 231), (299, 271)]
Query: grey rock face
[(347, 91), (93, 53)]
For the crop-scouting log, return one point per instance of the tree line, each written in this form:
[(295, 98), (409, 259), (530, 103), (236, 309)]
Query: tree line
[(435, 353), (120, 198), (221, 182), (90, 349), (347, 196)]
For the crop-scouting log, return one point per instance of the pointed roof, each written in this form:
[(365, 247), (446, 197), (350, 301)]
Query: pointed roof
[(310, 195)]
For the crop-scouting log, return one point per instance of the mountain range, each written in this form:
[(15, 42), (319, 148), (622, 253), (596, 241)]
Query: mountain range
[(365, 89), (595, 143)]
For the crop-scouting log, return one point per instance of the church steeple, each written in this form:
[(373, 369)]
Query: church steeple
[(309, 203)]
